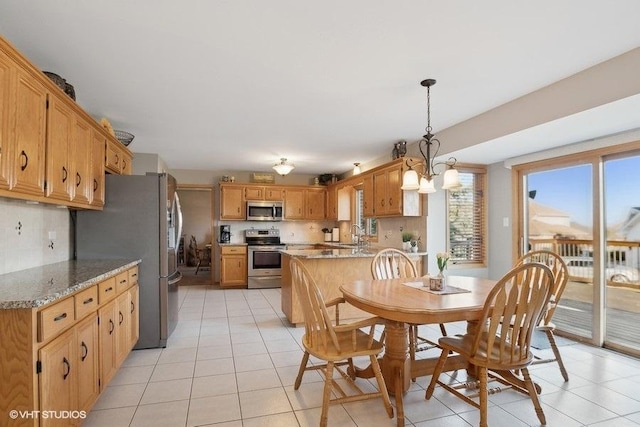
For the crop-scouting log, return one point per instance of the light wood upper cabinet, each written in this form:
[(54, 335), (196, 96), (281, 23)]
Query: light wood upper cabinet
[(232, 205), (61, 121), (7, 76), (368, 196), (332, 203), (28, 135), (98, 142), (294, 203), (389, 199), (315, 203), (274, 193), (118, 158), (258, 192), (81, 162)]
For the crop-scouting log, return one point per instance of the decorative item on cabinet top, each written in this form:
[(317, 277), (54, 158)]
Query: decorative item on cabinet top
[(62, 84), (263, 178), (124, 137)]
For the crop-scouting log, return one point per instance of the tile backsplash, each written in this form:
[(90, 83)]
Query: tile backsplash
[(33, 234)]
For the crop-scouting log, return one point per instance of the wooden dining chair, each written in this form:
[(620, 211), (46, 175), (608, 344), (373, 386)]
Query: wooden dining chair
[(560, 278), (335, 344), (392, 263), (498, 346)]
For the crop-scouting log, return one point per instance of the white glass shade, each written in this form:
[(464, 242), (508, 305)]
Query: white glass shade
[(451, 180), (426, 186), (356, 168), (410, 180), (283, 167)]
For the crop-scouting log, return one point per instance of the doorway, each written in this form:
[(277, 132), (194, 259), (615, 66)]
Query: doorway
[(197, 234)]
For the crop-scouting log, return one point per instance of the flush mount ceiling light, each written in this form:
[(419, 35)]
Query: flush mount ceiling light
[(411, 181), (283, 167), (356, 168)]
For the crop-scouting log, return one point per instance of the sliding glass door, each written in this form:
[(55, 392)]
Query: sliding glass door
[(588, 211), (559, 218), (622, 252)]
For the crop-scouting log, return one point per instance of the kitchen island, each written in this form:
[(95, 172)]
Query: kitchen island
[(331, 267)]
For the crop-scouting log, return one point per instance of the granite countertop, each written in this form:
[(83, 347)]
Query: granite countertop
[(342, 252), (38, 286)]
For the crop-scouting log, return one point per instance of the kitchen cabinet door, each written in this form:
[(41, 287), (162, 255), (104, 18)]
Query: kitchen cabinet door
[(134, 316), (87, 362), (7, 76), (81, 162), (274, 193), (233, 266), (254, 193), (315, 203), (294, 203), (60, 127), (58, 378), (332, 203), (29, 132), (123, 327), (108, 343), (98, 142), (232, 204), (368, 196)]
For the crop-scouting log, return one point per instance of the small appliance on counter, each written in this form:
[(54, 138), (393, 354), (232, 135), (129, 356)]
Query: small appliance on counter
[(335, 234), (225, 234)]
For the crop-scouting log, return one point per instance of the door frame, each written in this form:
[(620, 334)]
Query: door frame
[(207, 189)]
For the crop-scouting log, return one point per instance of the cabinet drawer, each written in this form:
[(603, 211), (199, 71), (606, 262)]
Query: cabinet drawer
[(122, 281), (53, 319), (226, 250), (86, 301), (133, 275), (106, 290)]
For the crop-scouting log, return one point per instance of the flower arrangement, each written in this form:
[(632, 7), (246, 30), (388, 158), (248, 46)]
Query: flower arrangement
[(406, 236), (443, 259)]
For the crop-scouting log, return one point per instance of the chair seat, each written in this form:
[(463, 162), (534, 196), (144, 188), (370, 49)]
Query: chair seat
[(345, 341), (500, 360)]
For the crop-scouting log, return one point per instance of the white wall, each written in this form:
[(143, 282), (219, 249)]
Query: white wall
[(24, 235)]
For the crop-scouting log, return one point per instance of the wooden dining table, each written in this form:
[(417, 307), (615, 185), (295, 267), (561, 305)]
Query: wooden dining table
[(403, 301)]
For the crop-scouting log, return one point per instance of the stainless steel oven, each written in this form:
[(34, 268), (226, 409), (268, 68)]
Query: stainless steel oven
[(264, 258)]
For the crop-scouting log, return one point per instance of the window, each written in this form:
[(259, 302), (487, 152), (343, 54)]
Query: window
[(369, 226), (467, 213)]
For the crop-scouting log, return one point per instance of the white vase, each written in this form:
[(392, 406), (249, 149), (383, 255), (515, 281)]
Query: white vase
[(406, 246)]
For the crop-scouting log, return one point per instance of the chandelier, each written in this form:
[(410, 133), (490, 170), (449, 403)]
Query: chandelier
[(283, 167), (411, 181)]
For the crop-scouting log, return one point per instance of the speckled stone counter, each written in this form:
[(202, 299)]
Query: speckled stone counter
[(342, 252), (38, 286)]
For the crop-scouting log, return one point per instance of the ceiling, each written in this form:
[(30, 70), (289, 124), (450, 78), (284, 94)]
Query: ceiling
[(235, 85)]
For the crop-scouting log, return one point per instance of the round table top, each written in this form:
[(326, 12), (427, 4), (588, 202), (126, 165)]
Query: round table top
[(393, 300)]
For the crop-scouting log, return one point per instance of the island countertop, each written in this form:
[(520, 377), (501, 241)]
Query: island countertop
[(342, 252), (38, 286)]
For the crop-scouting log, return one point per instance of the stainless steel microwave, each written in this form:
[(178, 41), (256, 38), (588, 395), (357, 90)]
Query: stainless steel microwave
[(262, 210)]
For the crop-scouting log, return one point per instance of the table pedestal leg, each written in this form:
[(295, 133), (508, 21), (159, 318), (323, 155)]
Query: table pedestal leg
[(396, 365)]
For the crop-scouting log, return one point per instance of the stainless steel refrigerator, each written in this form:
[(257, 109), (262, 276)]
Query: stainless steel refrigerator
[(141, 220)]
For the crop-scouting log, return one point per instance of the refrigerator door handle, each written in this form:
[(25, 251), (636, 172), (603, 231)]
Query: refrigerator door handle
[(176, 278)]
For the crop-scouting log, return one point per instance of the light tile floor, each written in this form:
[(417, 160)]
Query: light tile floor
[(232, 361)]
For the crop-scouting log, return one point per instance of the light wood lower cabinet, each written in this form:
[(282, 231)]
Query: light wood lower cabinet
[(61, 356), (233, 266)]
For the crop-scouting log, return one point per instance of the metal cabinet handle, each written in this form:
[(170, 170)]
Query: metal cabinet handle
[(117, 159), (78, 179), (133, 307), (60, 317), (64, 174), (121, 318), (112, 326), (87, 301), (23, 166), (68, 366), (85, 351), (95, 185)]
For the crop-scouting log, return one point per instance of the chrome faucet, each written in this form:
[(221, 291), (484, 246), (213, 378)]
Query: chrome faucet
[(357, 236)]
